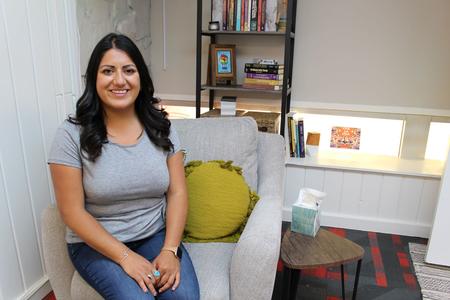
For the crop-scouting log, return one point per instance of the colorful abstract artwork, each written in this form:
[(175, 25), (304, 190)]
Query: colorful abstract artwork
[(345, 137)]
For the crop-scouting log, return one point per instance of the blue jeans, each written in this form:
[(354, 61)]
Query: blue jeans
[(111, 281)]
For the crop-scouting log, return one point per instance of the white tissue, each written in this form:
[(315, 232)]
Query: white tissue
[(310, 198)]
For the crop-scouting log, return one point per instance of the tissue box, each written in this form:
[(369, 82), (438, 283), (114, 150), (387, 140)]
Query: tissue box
[(306, 212), (305, 220)]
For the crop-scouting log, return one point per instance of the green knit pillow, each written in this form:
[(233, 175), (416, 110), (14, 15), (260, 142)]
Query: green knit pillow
[(220, 202)]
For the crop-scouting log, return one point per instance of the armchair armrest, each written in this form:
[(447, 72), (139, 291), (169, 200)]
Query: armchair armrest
[(254, 261), (57, 262)]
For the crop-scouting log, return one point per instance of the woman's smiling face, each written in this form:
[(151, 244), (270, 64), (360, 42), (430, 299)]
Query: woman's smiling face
[(118, 81)]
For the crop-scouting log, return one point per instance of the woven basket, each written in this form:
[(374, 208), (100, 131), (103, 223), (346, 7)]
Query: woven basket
[(267, 121)]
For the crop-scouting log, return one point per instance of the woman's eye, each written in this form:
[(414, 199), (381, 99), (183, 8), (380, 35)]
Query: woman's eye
[(107, 71), (130, 71)]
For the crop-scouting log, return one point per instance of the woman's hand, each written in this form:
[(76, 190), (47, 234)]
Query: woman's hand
[(169, 267), (139, 268)]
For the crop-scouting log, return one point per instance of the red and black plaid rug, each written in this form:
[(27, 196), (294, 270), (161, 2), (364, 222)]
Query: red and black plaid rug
[(386, 271)]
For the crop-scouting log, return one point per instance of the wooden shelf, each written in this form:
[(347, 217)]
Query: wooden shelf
[(371, 163), (256, 33), (240, 88)]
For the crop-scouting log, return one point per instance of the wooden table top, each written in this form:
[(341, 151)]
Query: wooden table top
[(326, 249)]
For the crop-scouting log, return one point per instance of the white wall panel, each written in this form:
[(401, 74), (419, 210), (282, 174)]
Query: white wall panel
[(333, 187), (351, 192), (63, 42), (370, 194), (389, 196), (410, 194), (37, 93), (314, 178), (55, 47), (45, 90), (428, 201), (11, 284), (366, 200), (31, 144), (43, 71), (295, 179)]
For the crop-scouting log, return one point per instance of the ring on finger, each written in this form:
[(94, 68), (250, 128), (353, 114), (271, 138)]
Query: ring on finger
[(150, 276)]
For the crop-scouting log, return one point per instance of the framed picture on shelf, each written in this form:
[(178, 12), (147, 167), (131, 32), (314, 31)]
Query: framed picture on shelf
[(222, 67)]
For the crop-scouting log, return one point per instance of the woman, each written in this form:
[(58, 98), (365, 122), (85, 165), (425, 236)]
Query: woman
[(119, 182)]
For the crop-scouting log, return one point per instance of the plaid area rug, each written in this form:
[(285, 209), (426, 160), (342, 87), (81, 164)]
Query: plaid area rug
[(434, 280)]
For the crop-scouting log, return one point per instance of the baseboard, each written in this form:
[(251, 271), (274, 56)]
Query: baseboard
[(38, 290), (369, 224)]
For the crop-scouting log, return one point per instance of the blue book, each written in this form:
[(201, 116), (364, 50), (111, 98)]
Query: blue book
[(238, 15)]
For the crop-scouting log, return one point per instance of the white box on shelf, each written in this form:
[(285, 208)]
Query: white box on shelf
[(228, 106)]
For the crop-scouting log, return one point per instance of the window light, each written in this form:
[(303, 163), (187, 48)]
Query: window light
[(438, 141), (378, 136)]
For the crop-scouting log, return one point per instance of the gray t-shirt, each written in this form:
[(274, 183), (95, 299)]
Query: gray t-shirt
[(124, 188)]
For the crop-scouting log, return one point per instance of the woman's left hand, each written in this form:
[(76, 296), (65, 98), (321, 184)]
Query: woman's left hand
[(169, 267)]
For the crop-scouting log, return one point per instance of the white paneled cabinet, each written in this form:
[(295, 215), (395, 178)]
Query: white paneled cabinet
[(367, 200)]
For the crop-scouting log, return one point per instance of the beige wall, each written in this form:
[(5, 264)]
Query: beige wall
[(374, 53), (179, 76)]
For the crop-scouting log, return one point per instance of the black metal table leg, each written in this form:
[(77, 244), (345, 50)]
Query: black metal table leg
[(287, 275), (355, 287), (342, 282), (290, 283), (294, 283)]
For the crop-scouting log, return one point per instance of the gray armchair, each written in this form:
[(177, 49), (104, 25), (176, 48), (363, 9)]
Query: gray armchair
[(245, 270)]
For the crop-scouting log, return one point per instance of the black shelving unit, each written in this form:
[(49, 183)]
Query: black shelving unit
[(289, 38)]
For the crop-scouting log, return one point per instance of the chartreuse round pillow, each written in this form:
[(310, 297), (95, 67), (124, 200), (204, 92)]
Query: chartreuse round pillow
[(220, 201)]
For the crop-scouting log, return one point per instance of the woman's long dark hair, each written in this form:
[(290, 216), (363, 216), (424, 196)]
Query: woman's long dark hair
[(89, 111)]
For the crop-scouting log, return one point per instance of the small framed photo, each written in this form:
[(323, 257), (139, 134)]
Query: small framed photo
[(223, 64)]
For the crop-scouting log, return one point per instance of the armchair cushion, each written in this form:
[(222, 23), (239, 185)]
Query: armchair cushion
[(220, 201), (222, 138)]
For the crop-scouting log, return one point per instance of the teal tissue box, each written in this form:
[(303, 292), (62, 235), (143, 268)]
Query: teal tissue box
[(305, 220)]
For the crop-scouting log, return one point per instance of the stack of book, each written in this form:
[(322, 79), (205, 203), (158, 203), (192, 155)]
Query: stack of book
[(296, 136), (263, 76), (248, 15)]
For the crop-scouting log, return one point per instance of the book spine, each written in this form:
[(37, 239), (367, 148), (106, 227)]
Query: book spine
[(264, 76), (258, 24), (263, 81), (225, 15), (262, 87), (254, 16), (249, 14), (238, 15), (263, 15), (271, 15), (289, 127), (243, 15), (301, 131), (263, 71), (294, 140), (264, 66), (231, 15), (297, 139)]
